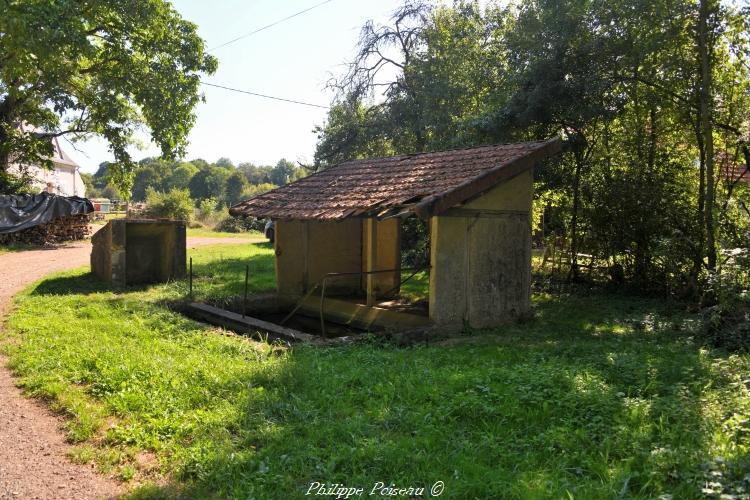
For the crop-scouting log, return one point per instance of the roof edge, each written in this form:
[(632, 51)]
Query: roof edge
[(436, 204)]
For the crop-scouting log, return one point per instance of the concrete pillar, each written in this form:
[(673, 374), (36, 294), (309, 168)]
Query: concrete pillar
[(386, 255), (481, 258)]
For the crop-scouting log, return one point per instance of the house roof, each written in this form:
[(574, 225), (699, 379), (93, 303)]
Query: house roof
[(731, 170), (59, 156), (425, 184)]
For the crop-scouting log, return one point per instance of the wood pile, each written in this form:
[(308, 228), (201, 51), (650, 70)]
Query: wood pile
[(73, 227)]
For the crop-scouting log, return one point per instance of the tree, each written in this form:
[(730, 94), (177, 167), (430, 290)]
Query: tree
[(351, 131), (282, 172), (181, 175), (236, 184), (107, 68), (391, 49), (255, 174), (175, 204), (649, 95), (88, 182), (707, 11), (101, 176), (150, 174), (209, 182), (225, 163)]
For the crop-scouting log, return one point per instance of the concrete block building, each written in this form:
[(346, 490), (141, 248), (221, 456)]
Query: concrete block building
[(342, 226), (137, 251)]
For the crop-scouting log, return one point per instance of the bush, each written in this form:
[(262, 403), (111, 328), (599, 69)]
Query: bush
[(233, 224), (727, 325), (207, 206), (210, 213), (175, 204)]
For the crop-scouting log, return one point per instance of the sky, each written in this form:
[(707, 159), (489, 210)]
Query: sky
[(293, 60)]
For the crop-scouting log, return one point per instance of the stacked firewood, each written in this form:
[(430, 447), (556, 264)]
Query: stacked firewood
[(73, 227)]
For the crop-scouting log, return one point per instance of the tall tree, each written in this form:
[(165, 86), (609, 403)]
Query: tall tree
[(707, 11), (236, 184), (104, 67)]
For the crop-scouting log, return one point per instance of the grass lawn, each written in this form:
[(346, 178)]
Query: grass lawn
[(203, 232), (599, 396)]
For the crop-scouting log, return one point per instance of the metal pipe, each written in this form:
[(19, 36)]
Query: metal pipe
[(299, 303), (322, 314)]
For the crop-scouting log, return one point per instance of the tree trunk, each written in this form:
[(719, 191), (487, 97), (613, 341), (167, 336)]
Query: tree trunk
[(573, 272), (706, 126)]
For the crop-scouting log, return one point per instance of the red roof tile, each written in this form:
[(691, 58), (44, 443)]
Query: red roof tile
[(421, 183)]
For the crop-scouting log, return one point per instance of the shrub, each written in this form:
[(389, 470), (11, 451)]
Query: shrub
[(727, 325), (210, 212), (233, 224), (208, 206), (174, 204)]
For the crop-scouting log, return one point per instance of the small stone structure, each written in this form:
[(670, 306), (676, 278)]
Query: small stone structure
[(135, 251)]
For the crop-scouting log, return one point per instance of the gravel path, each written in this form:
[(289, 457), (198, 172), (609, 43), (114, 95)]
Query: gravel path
[(33, 464)]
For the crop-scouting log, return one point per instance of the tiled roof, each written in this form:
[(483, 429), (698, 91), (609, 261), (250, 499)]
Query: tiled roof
[(424, 183), (736, 174)]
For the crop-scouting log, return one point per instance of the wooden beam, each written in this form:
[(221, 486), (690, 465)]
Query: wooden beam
[(247, 324), (483, 213)]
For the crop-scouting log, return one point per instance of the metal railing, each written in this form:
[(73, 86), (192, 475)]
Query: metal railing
[(323, 282)]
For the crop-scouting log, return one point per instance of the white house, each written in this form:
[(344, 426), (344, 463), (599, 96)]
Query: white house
[(64, 178)]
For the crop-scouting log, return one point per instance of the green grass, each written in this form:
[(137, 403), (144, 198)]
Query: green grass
[(15, 247), (219, 271), (599, 396), (203, 232), (107, 217)]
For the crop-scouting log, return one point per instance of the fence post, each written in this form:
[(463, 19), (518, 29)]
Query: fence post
[(190, 279), (244, 299)]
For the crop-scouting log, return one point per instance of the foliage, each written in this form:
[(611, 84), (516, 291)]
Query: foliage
[(600, 396), (233, 224), (415, 243), (255, 174), (642, 111), (210, 212), (236, 184), (208, 206), (256, 189), (351, 132), (209, 182), (175, 204), (221, 181), (106, 69), (727, 324)]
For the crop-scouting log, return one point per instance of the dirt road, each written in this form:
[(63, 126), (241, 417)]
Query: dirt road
[(33, 464)]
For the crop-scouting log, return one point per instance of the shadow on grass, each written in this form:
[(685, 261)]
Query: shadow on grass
[(593, 414), (82, 285), (219, 278)]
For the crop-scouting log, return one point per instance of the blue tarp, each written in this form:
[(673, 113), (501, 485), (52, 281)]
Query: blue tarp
[(19, 212)]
